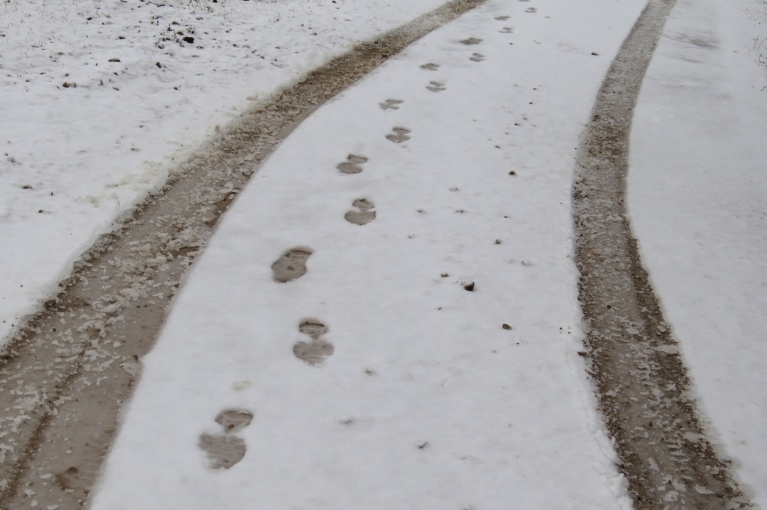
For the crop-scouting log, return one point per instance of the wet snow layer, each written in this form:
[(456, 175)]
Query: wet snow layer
[(100, 98), (425, 356), (697, 197)]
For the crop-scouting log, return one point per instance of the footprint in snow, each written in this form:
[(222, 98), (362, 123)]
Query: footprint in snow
[(531, 10), (506, 30), (291, 264), (364, 215), (399, 135), (477, 57), (352, 164), (502, 18), (391, 104), (436, 86), (225, 450), (470, 41), (317, 350), (431, 66)]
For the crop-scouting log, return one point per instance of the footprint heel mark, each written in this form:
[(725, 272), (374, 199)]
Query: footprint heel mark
[(399, 135), (531, 10), (436, 86), (470, 41), (317, 350), (506, 30), (477, 57), (366, 212), (391, 104), (431, 66), (225, 450), (352, 164), (291, 264), (502, 18)]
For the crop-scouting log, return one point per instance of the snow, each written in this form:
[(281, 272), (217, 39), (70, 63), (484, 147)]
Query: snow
[(74, 157), (697, 191), (427, 400)]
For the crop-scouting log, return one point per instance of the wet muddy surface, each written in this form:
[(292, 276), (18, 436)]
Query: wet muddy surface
[(291, 264), (317, 350), (643, 385), (364, 214), (354, 162), (399, 135), (66, 374), (224, 450), (436, 86), (391, 104)]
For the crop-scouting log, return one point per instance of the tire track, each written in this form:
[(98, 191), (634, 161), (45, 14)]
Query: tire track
[(67, 372), (643, 386)]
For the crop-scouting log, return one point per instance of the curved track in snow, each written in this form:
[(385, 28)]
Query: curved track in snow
[(642, 381)]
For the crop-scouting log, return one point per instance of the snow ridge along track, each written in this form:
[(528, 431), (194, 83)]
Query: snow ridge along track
[(65, 375), (642, 382)]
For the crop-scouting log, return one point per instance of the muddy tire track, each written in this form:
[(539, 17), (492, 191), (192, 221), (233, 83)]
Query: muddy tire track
[(67, 372), (643, 386)]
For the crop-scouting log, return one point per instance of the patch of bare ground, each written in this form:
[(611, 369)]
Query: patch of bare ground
[(66, 374), (643, 386)]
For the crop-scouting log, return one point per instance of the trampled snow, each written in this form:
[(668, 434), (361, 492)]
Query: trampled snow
[(99, 99), (697, 192), (432, 395)]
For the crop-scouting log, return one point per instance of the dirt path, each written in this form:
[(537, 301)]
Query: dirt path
[(65, 376), (642, 382)]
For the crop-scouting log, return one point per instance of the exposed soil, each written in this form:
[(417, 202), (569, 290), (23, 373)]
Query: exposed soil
[(66, 374), (643, 385)]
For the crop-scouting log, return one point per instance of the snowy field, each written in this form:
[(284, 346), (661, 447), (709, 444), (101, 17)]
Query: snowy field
[(100, 98), (427, 357), (698, 203)]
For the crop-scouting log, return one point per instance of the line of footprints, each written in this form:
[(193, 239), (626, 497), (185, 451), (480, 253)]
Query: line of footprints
[(225, 449)]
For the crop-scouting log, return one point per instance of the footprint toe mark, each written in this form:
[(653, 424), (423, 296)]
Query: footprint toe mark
[(470, 41), (431, 66), (291, 264), (477, 57), (364, 215)]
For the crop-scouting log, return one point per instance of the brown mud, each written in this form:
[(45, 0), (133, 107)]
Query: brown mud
[(643, 387), (66, 374), (365, 213)]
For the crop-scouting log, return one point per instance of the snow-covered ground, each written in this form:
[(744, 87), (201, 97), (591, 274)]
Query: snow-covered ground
[(698, 203), (100, 98), (428, 395)]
